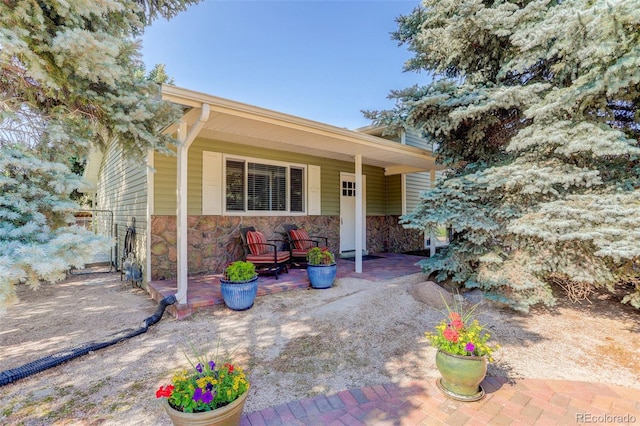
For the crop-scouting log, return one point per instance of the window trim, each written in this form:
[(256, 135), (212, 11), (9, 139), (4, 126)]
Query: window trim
[(287, 165)]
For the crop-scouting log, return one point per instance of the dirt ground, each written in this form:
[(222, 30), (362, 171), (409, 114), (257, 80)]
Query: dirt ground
[(293, 345)]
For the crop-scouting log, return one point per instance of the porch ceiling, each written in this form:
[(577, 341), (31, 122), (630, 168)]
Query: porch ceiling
[(250, 125)]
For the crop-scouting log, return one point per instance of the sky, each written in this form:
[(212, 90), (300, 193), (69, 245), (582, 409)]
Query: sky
[(324, 60)]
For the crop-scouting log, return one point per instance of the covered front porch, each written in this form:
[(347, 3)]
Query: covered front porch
[(224, 144), (204, 291)]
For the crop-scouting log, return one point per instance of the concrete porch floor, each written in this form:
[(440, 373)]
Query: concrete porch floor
[(204, 291)]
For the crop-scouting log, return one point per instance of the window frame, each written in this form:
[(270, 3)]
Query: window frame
[(246, 212)]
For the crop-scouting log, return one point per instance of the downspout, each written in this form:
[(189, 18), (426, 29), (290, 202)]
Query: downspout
[(184, 142)]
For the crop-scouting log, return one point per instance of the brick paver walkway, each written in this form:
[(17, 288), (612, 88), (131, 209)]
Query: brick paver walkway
[(204, 290), (523, 402)]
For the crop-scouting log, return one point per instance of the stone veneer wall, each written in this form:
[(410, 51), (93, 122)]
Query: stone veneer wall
[(402, 240), (386, 235), (214, 241)]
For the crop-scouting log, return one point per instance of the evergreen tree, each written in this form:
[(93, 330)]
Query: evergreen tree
[(534, 105), (68, 82)]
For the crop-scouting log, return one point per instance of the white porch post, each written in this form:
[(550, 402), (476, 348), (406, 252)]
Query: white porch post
[(359, 224), (181, 213), (184, 142)]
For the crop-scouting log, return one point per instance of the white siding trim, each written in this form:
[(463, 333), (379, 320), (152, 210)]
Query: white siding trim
[(211, 183), (314, 190)]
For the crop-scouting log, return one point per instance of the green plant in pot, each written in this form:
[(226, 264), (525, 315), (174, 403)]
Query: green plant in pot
[(240, 271), (321, 268), (463, 353), (239, 285), (212, 391)]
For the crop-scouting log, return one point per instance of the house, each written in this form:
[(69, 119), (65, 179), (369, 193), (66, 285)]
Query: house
[(242, 165), (412, 184)]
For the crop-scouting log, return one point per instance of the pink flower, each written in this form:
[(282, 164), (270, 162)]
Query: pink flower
[(457, 324), (451, 335)]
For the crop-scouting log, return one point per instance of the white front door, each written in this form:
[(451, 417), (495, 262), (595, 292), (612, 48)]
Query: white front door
[(348, 192)]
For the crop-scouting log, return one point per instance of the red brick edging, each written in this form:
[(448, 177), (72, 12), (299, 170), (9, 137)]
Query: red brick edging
[(527, 401)]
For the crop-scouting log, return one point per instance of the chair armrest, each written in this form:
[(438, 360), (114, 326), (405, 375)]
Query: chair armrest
[(326, 239), (310, 240)]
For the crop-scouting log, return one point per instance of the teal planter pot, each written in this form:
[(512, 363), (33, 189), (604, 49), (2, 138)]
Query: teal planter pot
[(239, 296), (461, 376), (322, 276)]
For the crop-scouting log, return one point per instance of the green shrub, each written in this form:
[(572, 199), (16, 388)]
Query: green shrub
[(240, 271), (316, 256)]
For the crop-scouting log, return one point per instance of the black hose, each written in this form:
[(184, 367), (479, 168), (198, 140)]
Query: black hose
[(128, 241), (58, 358), (169, 300)]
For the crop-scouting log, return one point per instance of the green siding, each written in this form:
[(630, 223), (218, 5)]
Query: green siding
[(412, 138), (122, 189), (165, 177), (376, 191), (394, 195), (164, 184), (416, 183)]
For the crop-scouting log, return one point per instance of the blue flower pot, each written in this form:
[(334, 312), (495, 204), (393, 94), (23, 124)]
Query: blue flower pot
[(322, 276), (239, 295)]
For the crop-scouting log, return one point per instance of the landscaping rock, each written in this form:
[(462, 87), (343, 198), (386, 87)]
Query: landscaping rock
[(474, 296), (431, 294)]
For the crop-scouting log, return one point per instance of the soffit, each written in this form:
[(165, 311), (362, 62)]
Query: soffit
[(249, 125)]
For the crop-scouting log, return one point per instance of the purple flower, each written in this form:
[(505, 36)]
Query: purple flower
[(207, 397), (209, 386), (199, 368), (197, 395), (470, 347), (212, 365)]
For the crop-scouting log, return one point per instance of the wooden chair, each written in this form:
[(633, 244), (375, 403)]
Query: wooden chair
[(264, 253), (300, 242)]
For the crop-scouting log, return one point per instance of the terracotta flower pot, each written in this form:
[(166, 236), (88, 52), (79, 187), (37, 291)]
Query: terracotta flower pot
[(461, 375), (229, 415)]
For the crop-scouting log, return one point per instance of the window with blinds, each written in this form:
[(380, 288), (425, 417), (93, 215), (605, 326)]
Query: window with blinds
[(296, 199), (266, 187), (262, 187), (235, 192)]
